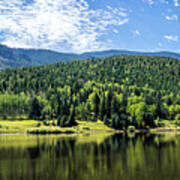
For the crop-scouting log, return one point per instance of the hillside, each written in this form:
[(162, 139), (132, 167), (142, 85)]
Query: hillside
[(15, 58), (135, 53), (118, 90)]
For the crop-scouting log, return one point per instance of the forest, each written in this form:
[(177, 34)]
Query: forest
[(121, 91)]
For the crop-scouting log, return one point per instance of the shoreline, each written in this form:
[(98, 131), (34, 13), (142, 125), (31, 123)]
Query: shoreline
[(27, 127), (58, 131)]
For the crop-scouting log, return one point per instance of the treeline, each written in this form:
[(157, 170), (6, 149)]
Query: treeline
[(120, 90)]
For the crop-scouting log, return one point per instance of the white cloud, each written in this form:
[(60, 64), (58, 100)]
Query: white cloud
[(176, 3), (60, 25), (172, 18), (115, 31), (150, 2), (171, 38), (136, 32)]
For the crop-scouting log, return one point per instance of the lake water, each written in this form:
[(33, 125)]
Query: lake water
[(94, 157)]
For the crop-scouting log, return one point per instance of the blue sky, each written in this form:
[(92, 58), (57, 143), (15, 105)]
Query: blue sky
[(91, 25)]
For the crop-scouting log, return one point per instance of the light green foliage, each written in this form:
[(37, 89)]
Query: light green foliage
[(13, 104), (177, 118)]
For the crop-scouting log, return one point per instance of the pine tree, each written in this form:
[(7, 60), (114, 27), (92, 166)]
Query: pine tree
[(102, 109), (59, 121), (114, 106), (71, 119), (63, 121), (96, 101), (105, 120), (35, 109), (115, 122), (108, 103)]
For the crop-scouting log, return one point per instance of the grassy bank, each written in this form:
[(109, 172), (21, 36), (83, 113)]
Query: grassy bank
[(16, 126), (83, 127), (37, 127)]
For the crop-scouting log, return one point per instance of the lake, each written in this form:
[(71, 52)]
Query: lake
[(90, 157)]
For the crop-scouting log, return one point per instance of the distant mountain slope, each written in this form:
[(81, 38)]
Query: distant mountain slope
[(14, 58), (124, 52)]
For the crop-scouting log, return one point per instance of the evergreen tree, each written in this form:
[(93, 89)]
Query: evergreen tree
[(102, 110), (59, 121), (63, 121), (115, 123), (105, 120), (35, 109), (96, 101), (71, 119), (114, 106), (108, 103)]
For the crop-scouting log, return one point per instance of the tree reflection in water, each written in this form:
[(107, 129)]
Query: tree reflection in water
[(64, 158)]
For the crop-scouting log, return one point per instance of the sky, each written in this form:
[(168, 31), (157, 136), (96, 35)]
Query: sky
[(91, 25)]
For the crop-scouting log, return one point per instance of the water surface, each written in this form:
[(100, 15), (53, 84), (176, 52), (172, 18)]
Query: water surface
[(95, 157)]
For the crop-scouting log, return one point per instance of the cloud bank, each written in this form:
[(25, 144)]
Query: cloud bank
[(61, 25), (171, 38), (172, 18)]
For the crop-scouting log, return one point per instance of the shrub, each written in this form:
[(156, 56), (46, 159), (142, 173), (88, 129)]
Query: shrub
[(46, 123)]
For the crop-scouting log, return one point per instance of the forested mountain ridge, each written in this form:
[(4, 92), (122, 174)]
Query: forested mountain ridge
[(108, 53), (119, 90), (15, 58)]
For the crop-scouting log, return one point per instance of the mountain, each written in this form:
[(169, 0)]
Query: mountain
[(17, 57), (108, 53), (13, 57)]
